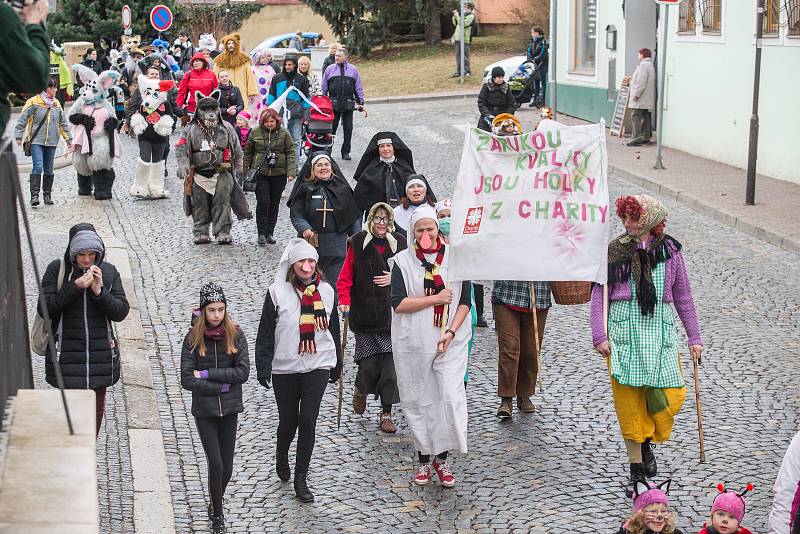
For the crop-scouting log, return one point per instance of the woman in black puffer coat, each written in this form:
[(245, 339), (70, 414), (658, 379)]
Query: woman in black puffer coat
[(82, 306), (495, 98), (214, 365)]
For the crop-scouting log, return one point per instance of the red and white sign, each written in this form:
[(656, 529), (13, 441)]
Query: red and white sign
[(161, 18), (473, 222), (126, 16), (668, 2)]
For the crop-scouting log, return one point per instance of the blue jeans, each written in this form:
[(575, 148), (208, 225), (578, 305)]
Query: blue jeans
[(295, 128), (42, 157)]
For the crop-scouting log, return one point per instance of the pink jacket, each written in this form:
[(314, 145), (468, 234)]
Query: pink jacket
[(677, 291)]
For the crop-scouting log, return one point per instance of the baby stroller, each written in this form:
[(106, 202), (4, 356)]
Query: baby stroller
[(521, 82), (317, 134)]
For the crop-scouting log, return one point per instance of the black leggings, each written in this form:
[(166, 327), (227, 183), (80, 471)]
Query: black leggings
[(298, 396), (218, 436), (268, 202), (426, 458)]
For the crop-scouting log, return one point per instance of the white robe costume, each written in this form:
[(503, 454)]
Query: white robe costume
[(431, 384)]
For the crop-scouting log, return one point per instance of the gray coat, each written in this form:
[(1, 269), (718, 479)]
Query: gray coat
[(54, 126), (643, 86)]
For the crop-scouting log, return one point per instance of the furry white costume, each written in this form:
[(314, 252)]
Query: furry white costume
[(94, 132), (152, 123)]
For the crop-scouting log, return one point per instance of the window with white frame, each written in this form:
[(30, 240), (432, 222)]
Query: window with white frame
[(584, 36), (771, 26), (792, 17), (711, 16), (687, 21)]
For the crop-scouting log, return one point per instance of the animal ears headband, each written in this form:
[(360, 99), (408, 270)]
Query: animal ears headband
[(721, 488), (642, 487)]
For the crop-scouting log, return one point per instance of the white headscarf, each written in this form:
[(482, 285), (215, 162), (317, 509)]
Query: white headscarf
[(297, 249), (423, 212)]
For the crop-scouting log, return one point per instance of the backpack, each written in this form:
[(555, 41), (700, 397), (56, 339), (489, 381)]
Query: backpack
[(38, 333), (474, 29)]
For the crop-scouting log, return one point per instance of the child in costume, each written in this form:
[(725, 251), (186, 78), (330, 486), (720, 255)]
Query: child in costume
[(651, 512), (243, 127), (727, 512)]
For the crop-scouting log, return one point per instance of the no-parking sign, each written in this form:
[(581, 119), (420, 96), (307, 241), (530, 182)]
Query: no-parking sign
[(161, 18)]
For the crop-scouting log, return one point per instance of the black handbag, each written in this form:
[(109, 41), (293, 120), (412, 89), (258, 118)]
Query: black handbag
[(251, 179), (26, 145)]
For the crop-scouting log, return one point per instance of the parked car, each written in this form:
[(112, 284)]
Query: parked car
[(509, 65), (279, 45)]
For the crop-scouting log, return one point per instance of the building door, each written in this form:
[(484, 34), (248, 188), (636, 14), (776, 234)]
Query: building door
[(641, 17)]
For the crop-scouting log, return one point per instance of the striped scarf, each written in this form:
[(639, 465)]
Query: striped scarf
[(433, 283), (312, 316)]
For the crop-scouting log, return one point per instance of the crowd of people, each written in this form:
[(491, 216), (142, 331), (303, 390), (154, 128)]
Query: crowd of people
[(374, 257)]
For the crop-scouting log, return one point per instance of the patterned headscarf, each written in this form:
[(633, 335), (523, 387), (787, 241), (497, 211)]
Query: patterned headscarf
[(653, 212)]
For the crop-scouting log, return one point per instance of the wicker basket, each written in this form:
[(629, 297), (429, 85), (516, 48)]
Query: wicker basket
[(571, 293)]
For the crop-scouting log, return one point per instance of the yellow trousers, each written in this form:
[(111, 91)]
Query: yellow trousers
[(634, 421)]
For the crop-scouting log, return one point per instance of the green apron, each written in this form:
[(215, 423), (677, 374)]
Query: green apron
[(644, 350)]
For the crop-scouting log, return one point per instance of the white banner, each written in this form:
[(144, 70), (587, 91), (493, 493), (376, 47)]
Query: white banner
[(532, 207)]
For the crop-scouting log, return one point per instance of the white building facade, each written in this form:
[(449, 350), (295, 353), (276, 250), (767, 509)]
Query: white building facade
[(709, 73)]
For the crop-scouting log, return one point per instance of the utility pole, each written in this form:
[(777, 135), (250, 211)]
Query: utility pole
[(227, 16), (662, 76), (752, 152), (463, 34), (553, 57)]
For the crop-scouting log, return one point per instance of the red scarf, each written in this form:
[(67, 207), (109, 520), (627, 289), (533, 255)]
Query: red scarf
[(433, 283), (217, 333), (312, 316)]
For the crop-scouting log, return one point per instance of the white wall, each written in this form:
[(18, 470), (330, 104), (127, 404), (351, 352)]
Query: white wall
[(709, 94)]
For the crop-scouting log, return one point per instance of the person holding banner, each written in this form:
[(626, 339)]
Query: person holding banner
[(324, 213), (430, 343), (646, 273), (494, 99), (417, 193), (364, 293)]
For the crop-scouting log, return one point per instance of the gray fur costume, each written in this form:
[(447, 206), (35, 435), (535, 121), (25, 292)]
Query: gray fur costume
[(211, 146), (94, 132)]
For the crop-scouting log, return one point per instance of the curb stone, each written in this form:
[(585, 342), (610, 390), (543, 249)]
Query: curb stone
[(152, 507)]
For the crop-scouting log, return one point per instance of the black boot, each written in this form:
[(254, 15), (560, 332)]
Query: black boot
[(282, 466), (84, 185), (301, 488), (36, 185), (649, 459), (103, 181), (637, 475), (47, 188), (218, 524)]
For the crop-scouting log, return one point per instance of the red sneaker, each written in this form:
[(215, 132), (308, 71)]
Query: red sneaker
[(445, 475), (423, 475)]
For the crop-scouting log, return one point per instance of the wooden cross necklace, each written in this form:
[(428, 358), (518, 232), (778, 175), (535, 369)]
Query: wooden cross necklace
[(325, 209)]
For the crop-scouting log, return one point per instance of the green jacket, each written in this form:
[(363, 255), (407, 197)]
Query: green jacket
[(260, 142), (26, 70), (469, 18)]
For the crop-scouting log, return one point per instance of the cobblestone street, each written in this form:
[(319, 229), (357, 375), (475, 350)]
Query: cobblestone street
[(560, 469)]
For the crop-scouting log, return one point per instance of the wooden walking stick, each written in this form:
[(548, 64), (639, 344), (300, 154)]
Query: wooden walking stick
[(537, 348), (341, 375), (696, 363)]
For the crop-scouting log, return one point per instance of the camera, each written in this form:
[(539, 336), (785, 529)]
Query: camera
[(272, 160)]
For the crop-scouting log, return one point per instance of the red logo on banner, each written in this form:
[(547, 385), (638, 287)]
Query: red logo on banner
[(473, 222)]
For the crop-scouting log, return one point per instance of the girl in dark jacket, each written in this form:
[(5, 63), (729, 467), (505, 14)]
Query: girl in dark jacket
[(495, 98), (82, 304), (214, 365), (271, 150)]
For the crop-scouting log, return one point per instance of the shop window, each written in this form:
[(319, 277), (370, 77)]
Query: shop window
[(793, 17), (772, 18), (584, 36)]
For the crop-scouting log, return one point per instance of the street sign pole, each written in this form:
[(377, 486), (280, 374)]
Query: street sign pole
[(463, 33), (752, 152), (662, 75)]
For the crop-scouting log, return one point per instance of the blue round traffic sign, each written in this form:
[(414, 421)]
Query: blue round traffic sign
[(161, 18)]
